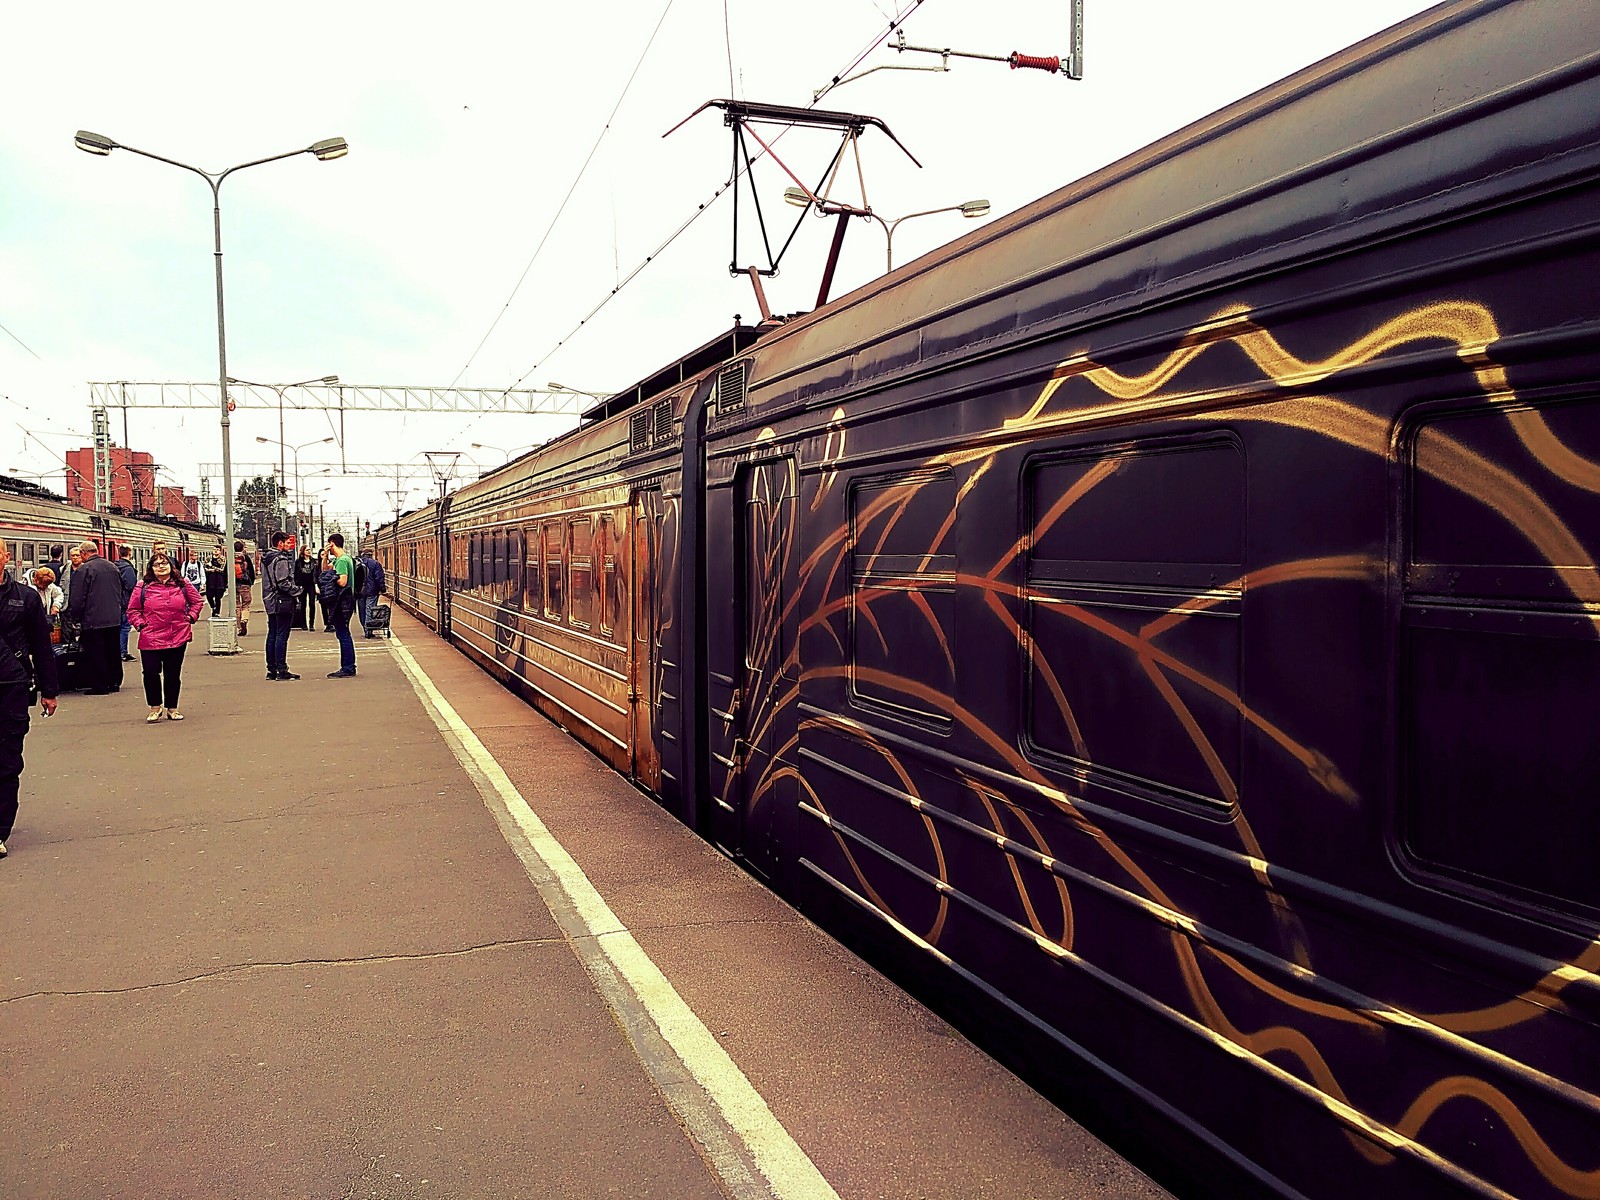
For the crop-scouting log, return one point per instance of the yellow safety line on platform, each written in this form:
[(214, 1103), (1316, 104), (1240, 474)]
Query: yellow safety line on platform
[(715, 1102)]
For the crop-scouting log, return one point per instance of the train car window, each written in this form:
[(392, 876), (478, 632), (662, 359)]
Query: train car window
[(515, 551), (472, 560), (581, 571), (1132, 596), (27, 553), (502, 572), (612, 587), (554, 594), (644, 543), (12, 548), (1500, 655), (535, 570), (902, 593)]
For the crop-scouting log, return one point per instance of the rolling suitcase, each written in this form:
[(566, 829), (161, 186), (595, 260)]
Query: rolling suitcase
[(378, 621)]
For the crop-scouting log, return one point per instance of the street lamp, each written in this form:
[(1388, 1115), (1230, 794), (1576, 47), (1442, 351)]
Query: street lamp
[(801, 198), (281, 388), (295, 450), (502, 450), (561, 387), (223, 638)]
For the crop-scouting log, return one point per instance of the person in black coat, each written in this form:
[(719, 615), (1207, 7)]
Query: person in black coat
[(305, 578), (95, 606), (216, 581), (27, 665)]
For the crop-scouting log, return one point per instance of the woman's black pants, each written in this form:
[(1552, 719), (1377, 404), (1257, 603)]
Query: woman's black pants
[(163, 676)]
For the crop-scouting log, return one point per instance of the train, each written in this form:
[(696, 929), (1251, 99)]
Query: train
[(1163, 625), (34, 520)]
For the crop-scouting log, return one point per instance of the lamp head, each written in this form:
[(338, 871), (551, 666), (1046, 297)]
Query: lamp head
[(975, 208), (93, 143), (263, 440), (330, 380), (798, 197), (328, 148)]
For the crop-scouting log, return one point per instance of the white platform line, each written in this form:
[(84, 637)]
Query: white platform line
[(746, 1145)]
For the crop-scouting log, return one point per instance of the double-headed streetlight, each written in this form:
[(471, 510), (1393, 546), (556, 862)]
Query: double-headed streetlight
[(295, 450), (223, 638), (281, 388), (561, 387), (801, 198)]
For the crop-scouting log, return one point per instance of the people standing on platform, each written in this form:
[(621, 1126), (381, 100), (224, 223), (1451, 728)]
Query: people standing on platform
[(74, 561), (95, 606), (216, 580), (370, 574), (280, 596), (327, 588), (306, 569), (193, 573), (244, 577), (27, 668), (164, 608), (50, 595), (58, 567), (130, 580), (343, 606)]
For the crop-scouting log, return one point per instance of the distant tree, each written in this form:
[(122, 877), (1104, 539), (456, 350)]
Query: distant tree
[(256, 508)]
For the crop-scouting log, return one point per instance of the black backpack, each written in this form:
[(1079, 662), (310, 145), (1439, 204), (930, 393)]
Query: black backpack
[(358, 584)]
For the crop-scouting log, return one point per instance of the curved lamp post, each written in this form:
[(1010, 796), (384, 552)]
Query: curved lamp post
[(801, 198), (295, 450), (281, 388), (223, 638)]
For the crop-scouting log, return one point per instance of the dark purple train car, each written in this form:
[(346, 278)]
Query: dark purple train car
[(1166, 622)]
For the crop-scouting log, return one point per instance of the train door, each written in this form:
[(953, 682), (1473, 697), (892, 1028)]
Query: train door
[(446, 565), (644, 659), (757, 795)]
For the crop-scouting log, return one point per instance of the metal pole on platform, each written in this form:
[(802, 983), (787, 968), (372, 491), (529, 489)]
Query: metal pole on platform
[(224, 636)]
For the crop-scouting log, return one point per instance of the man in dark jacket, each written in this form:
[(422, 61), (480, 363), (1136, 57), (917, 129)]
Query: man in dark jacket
[(96, 607), (27, 663), (130, 580), (371, 588), (280, 596)]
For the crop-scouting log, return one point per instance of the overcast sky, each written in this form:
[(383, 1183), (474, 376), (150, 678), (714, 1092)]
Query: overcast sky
[(469, 128)]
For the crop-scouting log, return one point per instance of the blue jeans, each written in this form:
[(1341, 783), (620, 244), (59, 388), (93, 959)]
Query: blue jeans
[(364, 607), (126, 629), (347, 647), (278, 642)]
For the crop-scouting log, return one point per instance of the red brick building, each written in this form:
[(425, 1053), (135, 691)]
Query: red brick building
[(133, 484)]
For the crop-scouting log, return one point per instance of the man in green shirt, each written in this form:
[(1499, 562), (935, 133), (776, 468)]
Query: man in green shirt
[(343, 606)]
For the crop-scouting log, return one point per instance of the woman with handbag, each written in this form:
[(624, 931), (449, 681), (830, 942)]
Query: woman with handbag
[(164, 608), (216, 581), (53, 598)]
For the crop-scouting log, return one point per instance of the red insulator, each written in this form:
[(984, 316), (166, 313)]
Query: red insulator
[(1049, 63)]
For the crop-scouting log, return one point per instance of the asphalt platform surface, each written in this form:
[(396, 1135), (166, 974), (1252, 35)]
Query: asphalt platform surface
[(285, 949)]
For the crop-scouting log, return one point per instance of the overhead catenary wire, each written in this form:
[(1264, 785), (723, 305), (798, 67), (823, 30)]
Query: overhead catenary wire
[(565, 200)]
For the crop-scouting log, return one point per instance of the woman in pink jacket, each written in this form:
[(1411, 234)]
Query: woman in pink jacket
[(163, 608)]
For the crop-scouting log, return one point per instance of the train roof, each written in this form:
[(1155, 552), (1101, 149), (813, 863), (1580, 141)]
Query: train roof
[(718, 350), (1230, 183)]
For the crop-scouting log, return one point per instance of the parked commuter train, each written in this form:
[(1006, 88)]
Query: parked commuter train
[(33, 520), (1168, 619)]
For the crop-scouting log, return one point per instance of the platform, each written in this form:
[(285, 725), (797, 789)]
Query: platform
[(399, 936)]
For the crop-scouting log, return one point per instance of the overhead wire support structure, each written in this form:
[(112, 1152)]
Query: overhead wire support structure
[(738, 115), (345, 397)]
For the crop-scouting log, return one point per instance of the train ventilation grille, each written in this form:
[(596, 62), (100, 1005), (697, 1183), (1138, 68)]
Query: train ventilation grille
[(663, 420), (639, 430), (730, 387)]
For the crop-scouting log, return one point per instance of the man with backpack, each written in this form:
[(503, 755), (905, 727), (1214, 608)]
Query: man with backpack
[(280, 596), (27, 669), (130, 580), (343, 606), (369, 586), (244, 578)]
